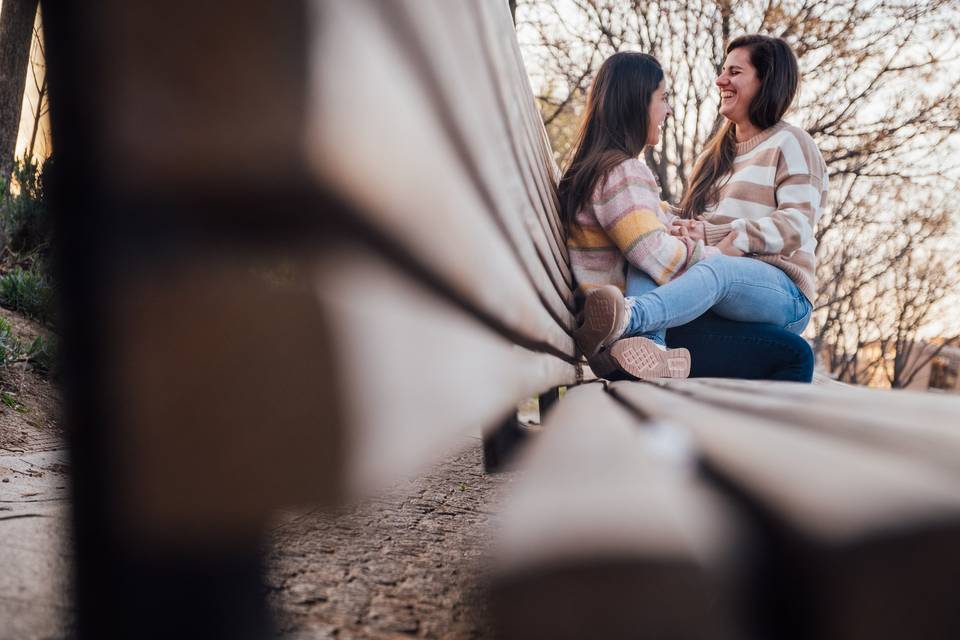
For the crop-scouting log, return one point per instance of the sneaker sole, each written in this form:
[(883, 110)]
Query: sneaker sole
[(642, 359), (600, 319)]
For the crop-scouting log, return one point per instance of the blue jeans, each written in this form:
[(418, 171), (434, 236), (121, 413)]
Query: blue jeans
[(741, 289), (721, 348)]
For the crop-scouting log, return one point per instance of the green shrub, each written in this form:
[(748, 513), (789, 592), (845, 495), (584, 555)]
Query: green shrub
[(23, 215), (42, 355), (28, 292), (11, 349)]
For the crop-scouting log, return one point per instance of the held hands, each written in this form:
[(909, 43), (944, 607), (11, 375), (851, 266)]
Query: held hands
[(726, 245), (694, 230), (684, 228)]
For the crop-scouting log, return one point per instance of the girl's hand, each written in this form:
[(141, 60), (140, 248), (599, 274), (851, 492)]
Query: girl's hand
[(692, 229), (726, 245)]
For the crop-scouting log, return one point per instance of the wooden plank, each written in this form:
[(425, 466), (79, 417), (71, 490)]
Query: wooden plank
[(512, 89), (909, 423), (424, 202), (822, 379), (304, 379), (417, 373), (510, 84), (226, 102), (611, 533), (223, 369), (515, 92), (447, 50), (504, 51), (861, 542), (249, 124)]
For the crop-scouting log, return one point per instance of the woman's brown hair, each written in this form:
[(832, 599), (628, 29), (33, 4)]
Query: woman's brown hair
[(779, 77), (614, 126)]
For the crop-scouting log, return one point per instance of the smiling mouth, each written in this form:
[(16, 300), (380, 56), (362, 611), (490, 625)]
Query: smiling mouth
[(727, 95)]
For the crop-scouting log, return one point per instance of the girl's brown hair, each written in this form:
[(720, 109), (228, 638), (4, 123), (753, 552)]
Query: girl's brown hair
[(614, 126), (779, 77)]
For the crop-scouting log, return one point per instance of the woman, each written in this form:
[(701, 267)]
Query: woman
[(757, 191)]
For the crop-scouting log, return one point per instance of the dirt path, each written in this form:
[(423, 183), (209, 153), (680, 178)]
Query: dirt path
[(405, 565), (34, 559)]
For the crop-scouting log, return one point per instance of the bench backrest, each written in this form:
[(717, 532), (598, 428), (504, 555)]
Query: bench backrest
[(324, 232)]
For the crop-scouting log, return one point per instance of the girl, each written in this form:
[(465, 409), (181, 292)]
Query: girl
[(757, 189)]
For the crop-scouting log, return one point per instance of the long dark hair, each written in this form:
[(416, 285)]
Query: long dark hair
[(614, 126), (779, 77)]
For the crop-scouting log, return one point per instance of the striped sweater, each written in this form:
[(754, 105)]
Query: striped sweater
[(625, 222), (773, 198)]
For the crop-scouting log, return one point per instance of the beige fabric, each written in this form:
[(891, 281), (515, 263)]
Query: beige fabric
[(773, 199)]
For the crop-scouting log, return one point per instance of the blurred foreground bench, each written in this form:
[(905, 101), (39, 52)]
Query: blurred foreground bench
[(735, 509), (306, 247)]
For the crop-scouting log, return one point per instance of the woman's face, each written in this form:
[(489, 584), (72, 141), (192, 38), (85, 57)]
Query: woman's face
[(659, 110), (738, 84)]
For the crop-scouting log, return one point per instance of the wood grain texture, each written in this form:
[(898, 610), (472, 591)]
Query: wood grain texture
[(446, 49), (612, 533), (417, 374), (402, 170), (922, 425), (335, 381), (846, 525), (530, 142), (503, 47)]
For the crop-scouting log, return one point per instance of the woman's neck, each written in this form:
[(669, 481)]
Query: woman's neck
[(746, 130)]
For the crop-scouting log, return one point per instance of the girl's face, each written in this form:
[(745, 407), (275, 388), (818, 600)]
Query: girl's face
[(659, 110), (738, 84)]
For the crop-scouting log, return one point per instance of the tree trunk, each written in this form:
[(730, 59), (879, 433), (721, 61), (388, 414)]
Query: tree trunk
[(16, 33), (41, 96)]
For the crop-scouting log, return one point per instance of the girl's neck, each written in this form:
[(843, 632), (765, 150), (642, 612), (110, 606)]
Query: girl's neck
[(746, 130)]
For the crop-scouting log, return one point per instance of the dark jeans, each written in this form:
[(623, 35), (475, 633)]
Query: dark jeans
[(721, 348)]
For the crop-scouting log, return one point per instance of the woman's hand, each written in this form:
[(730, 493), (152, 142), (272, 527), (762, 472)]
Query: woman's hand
[(692, 229), (726, 245)]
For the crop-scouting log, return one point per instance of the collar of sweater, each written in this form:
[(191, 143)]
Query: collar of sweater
[(747, 145)]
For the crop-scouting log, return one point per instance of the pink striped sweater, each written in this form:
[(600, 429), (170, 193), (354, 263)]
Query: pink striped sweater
[(625, 221)]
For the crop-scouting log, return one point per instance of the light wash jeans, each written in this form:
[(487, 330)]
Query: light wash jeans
[(741, 289)]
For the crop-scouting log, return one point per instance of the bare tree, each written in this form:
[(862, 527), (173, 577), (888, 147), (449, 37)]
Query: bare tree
[(16, 29), (880, 95), (38, 72)]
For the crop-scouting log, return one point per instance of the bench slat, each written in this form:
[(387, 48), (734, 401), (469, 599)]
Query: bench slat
[(417, 373), (516, 95), (426, 202), (550, 173), (921, 425), (337, 383), (449, 51), (330, 101), (610, 533), (848, 527)]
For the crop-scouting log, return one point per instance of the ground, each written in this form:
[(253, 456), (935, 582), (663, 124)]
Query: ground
[(406, 564), (33, 503)]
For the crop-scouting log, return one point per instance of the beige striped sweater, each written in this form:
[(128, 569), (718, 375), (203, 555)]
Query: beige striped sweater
[(773, 198)]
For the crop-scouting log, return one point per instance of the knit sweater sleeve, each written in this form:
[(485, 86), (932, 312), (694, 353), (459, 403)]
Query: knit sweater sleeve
[(670, 212), (628, 208), (799, 190)]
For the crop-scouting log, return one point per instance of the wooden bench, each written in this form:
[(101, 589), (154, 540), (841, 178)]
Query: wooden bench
[(728, 508), (307, 247)]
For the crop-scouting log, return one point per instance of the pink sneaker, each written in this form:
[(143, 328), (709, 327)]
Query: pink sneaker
[(604, 319), (640, 358)]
